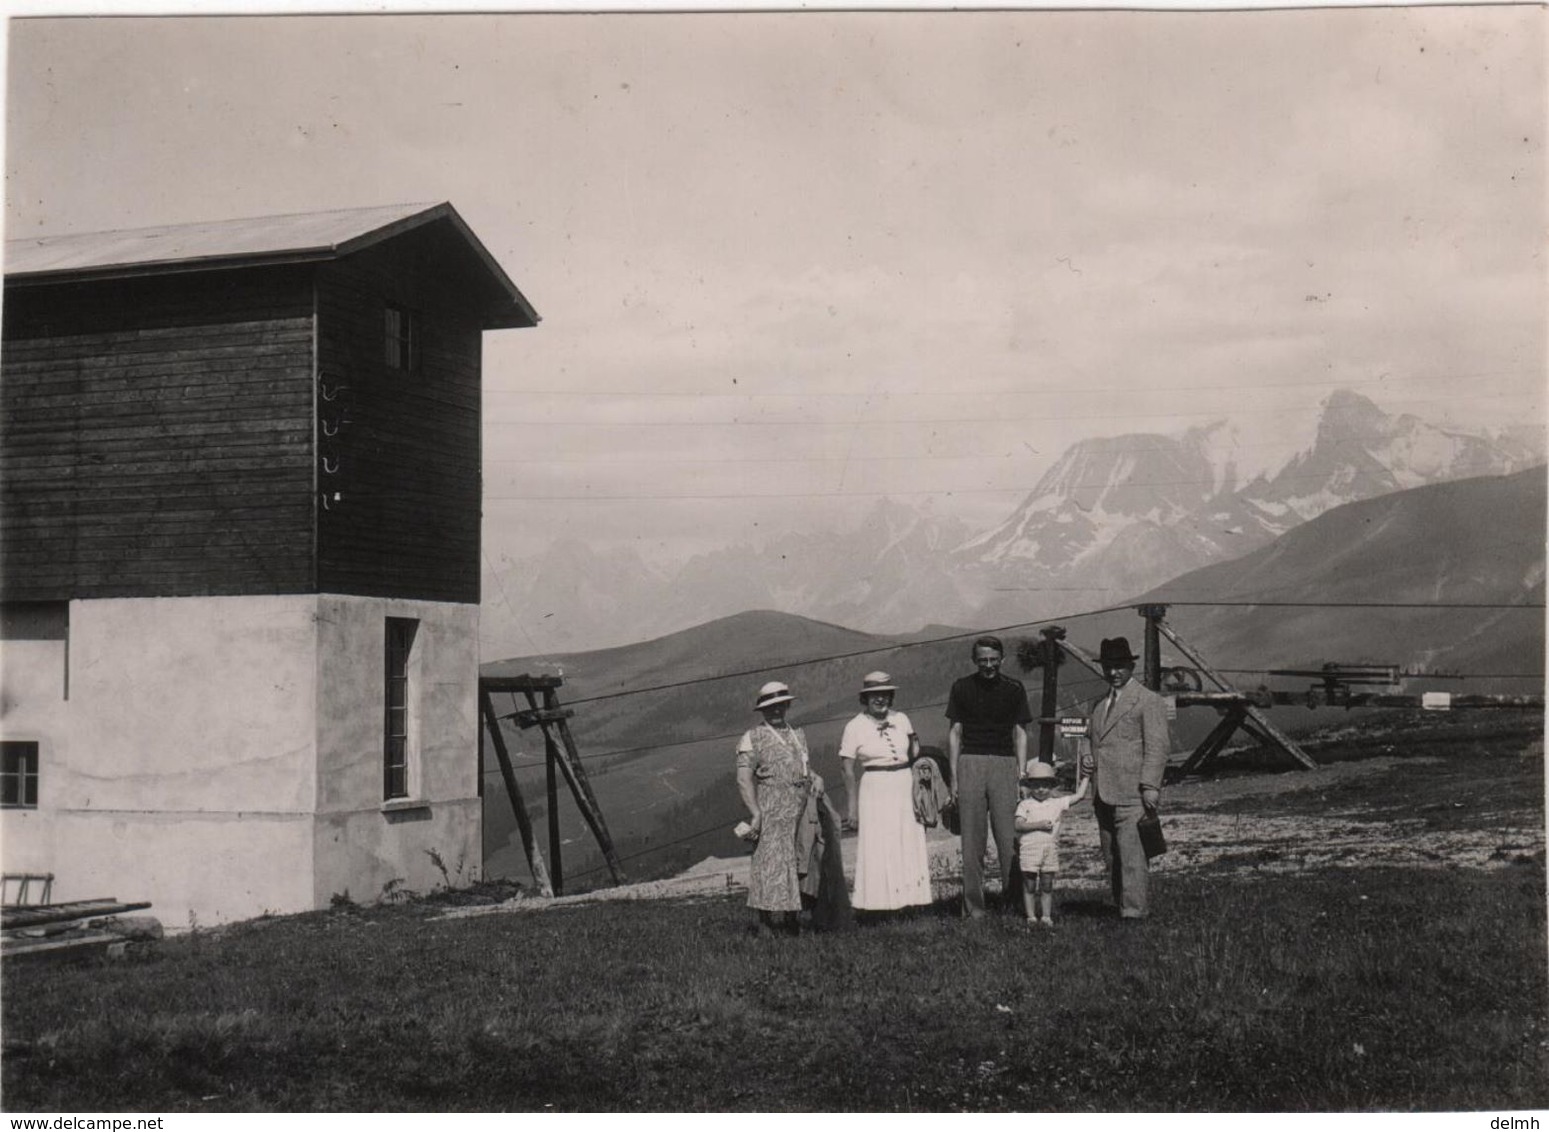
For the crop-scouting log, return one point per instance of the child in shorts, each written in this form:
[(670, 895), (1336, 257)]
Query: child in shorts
[(1038, 822)]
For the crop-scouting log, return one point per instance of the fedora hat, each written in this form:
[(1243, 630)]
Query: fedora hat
[(773, 693), (877, 682), (1039, 771), (1115, 653)]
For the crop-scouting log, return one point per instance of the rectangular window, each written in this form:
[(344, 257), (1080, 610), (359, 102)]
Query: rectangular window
[(400, 643), (19, 774), (402, 339)]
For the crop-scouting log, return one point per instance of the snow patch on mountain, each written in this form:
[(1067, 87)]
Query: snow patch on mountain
[(1112, 517)]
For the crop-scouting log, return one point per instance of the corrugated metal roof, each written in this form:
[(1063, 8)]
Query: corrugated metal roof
[(230, 243)]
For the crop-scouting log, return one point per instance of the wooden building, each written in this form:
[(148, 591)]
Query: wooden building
[(239, 557)]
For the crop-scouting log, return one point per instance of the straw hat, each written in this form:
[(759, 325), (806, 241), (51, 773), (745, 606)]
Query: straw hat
[(773, 693), (877, 682), (1039, 771)]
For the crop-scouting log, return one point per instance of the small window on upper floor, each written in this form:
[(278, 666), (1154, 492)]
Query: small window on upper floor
[(19, 774), (402, 339)]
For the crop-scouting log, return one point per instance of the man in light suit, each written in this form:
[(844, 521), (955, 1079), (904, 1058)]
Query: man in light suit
[(1130, 744)]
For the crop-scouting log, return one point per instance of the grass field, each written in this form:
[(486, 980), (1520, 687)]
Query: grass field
[(1329, 987)]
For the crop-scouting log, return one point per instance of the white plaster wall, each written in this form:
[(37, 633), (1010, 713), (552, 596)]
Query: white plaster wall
[(222, 757), (190, 775), (33, 708), (192, 704), (196, 868), (363, 845), (367, 854)]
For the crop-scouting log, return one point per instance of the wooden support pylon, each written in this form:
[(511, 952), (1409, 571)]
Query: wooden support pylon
[(1049, 657), (553, 721), (1212, 744), (1152, 648), (540, 874), (1253, 720), (551, 794)]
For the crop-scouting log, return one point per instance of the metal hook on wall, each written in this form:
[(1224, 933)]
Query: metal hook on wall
[(327, 396), (333, 470)]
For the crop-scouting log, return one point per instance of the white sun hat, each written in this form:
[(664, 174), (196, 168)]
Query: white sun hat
[(773, 693)]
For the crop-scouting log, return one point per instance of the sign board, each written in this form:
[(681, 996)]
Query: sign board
[(1436, 701), (1072, 725)]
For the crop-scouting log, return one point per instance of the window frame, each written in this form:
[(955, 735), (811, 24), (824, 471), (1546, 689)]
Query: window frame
[(401, 343), (400, 634), (15, 777)]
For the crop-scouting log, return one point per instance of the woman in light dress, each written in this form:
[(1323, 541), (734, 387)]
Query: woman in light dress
[(892, 864), (774, 779)]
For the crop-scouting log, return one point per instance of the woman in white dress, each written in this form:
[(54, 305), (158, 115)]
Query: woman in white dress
[(892, 864)]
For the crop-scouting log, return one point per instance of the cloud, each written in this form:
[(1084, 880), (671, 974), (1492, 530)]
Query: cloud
[(825, 252)]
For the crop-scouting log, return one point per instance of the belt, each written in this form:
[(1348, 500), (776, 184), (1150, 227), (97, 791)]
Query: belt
[(888, 766)]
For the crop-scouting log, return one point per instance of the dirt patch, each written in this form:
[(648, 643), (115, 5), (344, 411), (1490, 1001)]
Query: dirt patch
[(1453, 796)]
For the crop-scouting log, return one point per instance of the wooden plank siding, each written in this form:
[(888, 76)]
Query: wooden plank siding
[(156, 436), (404, 456), (240, 431)]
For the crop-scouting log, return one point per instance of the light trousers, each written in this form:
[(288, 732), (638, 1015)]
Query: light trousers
[(1118, 828), (986, 789)]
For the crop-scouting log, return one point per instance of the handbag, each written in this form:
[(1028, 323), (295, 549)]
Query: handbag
[(1151, 839), (949, 817)]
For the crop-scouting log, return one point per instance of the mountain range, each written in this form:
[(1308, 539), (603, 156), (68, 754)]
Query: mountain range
[(1444, 579), (1111, 518)]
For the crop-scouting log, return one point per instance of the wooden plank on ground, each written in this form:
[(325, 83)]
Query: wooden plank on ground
[(14, 947), (34, 915)]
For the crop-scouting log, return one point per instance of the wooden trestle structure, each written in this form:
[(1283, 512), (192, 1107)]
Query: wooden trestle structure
[(560, 755), (1239, 709)]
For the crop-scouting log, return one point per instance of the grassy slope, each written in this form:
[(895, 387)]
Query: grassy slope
[(1328, 989), (1441, 543)]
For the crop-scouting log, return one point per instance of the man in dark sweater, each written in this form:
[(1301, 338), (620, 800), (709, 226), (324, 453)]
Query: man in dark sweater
[(987, 747)]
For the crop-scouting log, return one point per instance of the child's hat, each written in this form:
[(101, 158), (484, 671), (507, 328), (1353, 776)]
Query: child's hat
[(1039, 772)]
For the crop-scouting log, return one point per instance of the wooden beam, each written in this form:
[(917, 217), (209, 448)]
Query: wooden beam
[(521, 683), (1273, 734), (581, 786), (1091, 665), (17, 947), (551, 794), (1213, 743), (540, 874), (35, 915), (1219, 699), (534, 717), (1050, 649), (1153, 645)]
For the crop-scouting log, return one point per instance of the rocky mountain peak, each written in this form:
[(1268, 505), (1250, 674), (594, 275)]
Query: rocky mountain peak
[(1347, 414), (1112, 517)]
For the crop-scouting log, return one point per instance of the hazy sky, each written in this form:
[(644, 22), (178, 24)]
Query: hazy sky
[(788, 263)]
